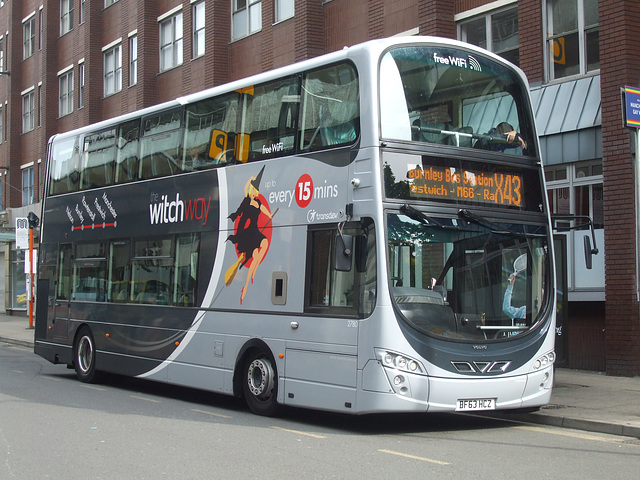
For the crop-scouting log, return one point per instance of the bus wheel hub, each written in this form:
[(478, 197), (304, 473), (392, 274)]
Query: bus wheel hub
[(260, 378)]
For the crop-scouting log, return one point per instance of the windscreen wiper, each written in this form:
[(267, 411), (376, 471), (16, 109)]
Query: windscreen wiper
[(424, 218), (465, 214)]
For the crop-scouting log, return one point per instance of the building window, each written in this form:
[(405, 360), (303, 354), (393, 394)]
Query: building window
[(81, 85), (496, 31), (1, 130), (65, 104), (2, 54), (108, 3), (198, 29), (576, 190), (171, 42), (29, 37), (247, 17), (573, 37), (113, 70), (28, 108), (284, 9), (40, 29), (133, 60), (66, 16), (82, 11), (27, 186), (39, 105)]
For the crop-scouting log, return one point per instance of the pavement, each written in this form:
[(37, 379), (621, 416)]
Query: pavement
[(581, 400)]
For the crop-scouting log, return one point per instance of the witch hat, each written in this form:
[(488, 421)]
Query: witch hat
[(256, 182)]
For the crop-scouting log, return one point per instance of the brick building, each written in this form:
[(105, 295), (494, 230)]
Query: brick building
[(67, 63)]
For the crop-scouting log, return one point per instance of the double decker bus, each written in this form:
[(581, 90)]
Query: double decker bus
[(366, 231)]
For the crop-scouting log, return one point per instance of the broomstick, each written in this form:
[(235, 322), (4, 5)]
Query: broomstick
[(230, 274)]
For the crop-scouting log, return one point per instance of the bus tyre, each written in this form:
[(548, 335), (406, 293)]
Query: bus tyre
[(84, 356), (260, 384)]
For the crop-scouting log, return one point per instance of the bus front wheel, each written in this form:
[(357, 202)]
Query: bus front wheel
[(84, 356), (260, 384)]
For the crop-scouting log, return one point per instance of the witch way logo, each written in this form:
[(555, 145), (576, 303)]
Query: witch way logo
[(164, 209)]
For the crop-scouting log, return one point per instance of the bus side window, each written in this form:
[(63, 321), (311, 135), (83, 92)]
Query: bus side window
[(186, 276), (328, 287), (271, 118), (161, 148), (119, 271), (210, 127), (128, 143), (89, 273), (331, 108), (63, 290), (98, 162), (65, 173)]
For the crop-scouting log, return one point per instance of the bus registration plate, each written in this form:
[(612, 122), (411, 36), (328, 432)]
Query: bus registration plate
[(475, 404)]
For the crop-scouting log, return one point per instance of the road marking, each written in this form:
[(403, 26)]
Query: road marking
[(581, 436), (413, 457), (298, 432), (51, 378), (17, 371), (146, 399), (210, 413), (95, 388)]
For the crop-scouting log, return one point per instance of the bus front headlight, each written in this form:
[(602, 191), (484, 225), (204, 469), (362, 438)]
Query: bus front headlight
[(400, 362)]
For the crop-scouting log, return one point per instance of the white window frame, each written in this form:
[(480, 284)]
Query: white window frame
[(582, 42), (199, 24), (170, 37), (27, 185), (66, 92), (29, 36), (112, 69), (488, 12), (28, 110), (133, 59), (108, 3), (81, 84), (284, 10), (246, 18), (66, 16)]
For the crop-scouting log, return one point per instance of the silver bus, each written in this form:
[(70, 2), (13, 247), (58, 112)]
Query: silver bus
[(366, 231)]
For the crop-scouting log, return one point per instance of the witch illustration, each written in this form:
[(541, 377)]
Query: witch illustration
[(251, 242)]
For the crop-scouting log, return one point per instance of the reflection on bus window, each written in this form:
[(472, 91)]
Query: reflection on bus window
[(438, 100), (89, 273), (98, 160), (355, 288), (331, 111), (152, 269), (161, 146), (119, 271), (210, 132), (271, 118), (65, 170), (127, 151), (186, 271)]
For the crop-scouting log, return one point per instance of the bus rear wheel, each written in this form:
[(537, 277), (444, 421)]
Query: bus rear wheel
[(260, 384), (84, 356)]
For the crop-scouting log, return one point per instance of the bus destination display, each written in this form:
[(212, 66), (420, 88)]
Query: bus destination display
[(450, 183)]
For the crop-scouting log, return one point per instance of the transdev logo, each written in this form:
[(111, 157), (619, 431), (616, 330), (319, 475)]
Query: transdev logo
[(163, 210)]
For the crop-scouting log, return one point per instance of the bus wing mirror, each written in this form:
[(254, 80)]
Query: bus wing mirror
[(588, 252), (343, 252)]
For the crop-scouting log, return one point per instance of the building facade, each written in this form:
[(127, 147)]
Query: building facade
[(67, 63)]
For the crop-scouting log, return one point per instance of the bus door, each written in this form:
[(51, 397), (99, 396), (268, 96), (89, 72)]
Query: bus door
[(322, 353)]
